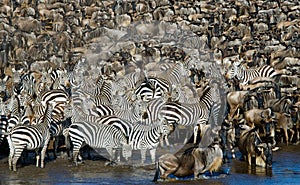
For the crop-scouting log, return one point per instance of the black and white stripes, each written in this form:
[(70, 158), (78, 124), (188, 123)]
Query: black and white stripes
[(245, 75), (29, 137)]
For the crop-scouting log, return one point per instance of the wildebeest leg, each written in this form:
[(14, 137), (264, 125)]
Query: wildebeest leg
[(249, 158), (156, 176), (286, 136), (167, 164), (292, 134)]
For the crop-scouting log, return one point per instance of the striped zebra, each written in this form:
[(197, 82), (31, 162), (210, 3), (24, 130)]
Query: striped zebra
[(100, 91), (147, 137), (59, 79), (245, 75), (177, 74), (103, 92), (155, 87), (59, 123), (189, 114), (5, 114), (76, 114), (96, 136), (30, 137), (152, 88), (130, 80), (3, 125), (29, 83), (55, 96), (58, 98)]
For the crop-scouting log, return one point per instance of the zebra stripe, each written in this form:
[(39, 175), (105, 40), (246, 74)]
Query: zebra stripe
[(55, 96), (144, 137), (30, 137), (152, 88), (96, 136), (245, 75), (189, 114), (130, 80), (103, 95), (78, 115), (3, 126)]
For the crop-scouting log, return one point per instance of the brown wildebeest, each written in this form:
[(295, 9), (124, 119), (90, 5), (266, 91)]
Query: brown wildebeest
[(254, 151), (189, 160)]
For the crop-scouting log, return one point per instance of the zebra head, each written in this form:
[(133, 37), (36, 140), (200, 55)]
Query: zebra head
[(233, 70)]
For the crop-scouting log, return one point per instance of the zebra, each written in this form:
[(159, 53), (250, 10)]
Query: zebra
[(147, 137), (189, 114), (29, 83), (96, 136), (130, 80), (76, 114), (245, 75), (59, 123), (30, 137), (177, 74), (59, 79), (3, 125), (103, 92), (155, 87), (152, 88), (59, 98), (15, 113), (55, 95)]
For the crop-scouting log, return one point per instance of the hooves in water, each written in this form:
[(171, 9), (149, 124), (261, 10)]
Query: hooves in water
[(110, 163)]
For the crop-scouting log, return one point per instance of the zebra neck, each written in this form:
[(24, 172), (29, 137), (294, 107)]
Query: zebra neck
[(154, 133), (241, 74)]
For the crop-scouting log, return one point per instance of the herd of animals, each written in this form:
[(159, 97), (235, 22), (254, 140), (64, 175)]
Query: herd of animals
[(242, 93)]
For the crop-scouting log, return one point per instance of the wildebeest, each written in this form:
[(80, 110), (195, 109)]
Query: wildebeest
[(190, 160), (254, 151), (284, 122), (235, 101)]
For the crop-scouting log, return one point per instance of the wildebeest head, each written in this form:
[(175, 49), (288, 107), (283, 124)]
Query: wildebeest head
[(264, 155)]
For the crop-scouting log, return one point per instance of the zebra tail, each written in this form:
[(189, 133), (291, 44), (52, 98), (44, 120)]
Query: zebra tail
[(156, 176)]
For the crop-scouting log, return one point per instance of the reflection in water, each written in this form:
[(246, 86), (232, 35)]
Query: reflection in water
[(254, 170), (285, 170)]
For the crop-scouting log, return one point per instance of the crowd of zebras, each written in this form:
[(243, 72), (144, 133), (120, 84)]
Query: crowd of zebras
[(136, 111), (135, 93)]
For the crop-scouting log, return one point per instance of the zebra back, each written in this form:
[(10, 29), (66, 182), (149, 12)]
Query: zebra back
[(245, 75)]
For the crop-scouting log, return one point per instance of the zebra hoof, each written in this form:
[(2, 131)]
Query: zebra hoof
[(110, 163)]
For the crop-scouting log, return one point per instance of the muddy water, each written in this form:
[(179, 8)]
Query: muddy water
[(285, 170)]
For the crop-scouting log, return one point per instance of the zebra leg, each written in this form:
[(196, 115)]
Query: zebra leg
[(37, 155), (152, 154), (11, 152), (126, 151), (43, 152), (75, 155), (18, 153), (56, 141), (68, 146), (111, 153), (143, 156)]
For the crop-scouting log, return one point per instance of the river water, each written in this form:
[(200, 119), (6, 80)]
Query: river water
[(285, 170)]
